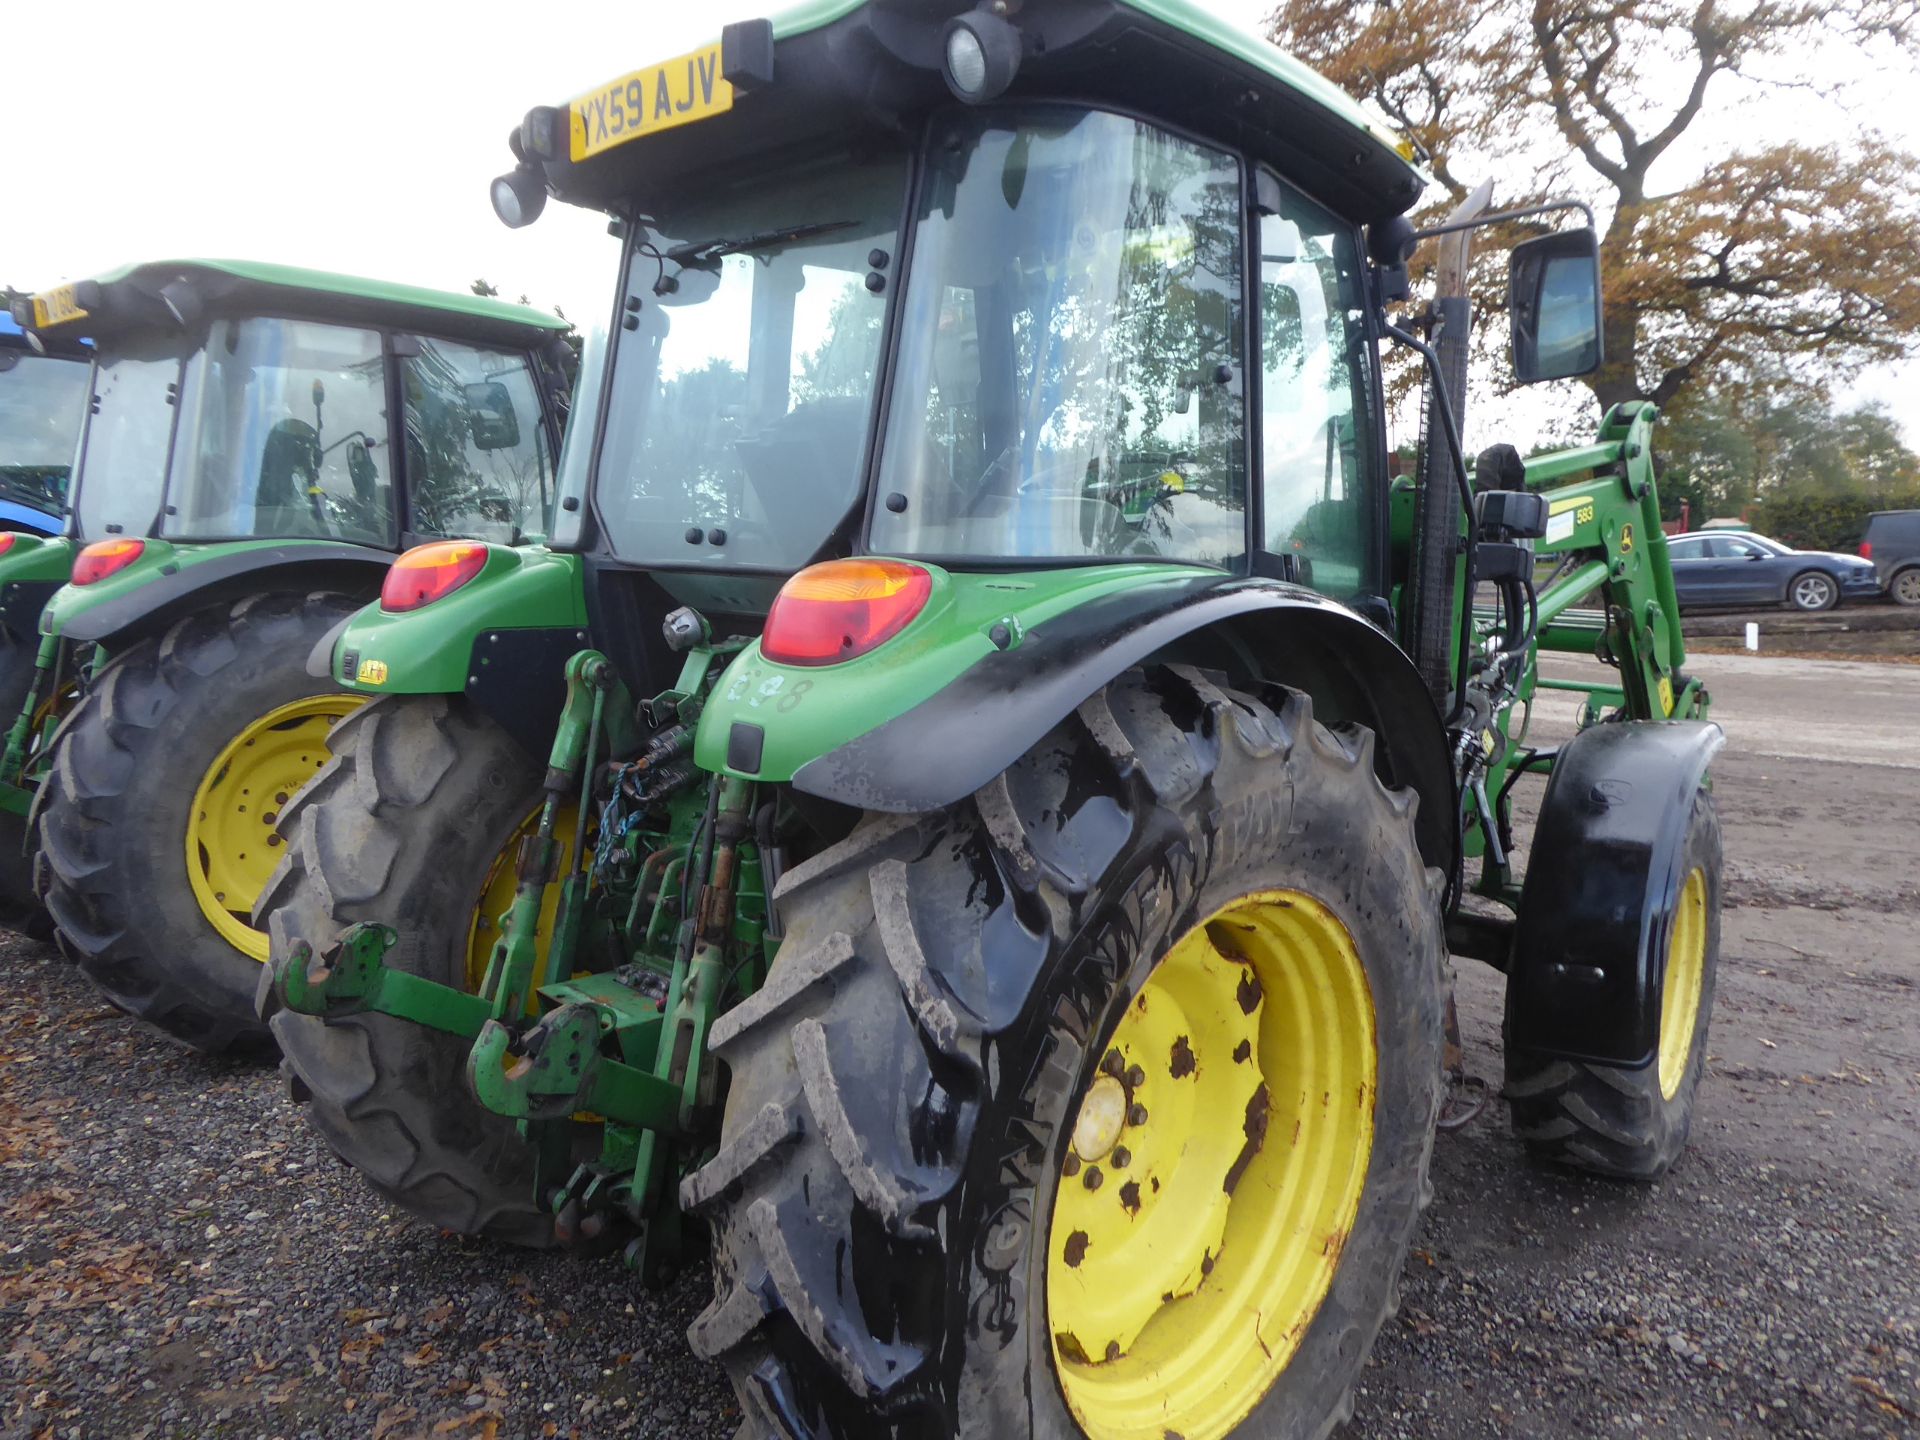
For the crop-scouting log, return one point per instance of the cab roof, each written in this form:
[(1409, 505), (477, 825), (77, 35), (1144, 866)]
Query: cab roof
[(827, 72), (1193, 19), (130, 297)]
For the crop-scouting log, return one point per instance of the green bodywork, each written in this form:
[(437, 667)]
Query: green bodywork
[(521, 588), (37, 559), (808, 710)]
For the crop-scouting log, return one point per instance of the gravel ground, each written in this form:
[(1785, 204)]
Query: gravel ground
[(180, 1258)]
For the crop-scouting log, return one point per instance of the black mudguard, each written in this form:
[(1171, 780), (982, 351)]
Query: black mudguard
[(165, 598), (21, 602), (1590, 946), (1255, 631)]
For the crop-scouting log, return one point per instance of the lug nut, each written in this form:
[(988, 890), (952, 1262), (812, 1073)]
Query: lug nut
[(1071, 1165), (1137, 1115), (1092, 1178), (1122, 1157), (1136, 1077), (1113, 1064)]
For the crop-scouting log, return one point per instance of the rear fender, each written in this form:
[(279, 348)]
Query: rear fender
[(169, 581), (997, 661), (1603, 878), (502, 639), (31, 570)]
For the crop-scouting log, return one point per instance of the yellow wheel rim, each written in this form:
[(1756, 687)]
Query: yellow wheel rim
[(1686, 977), (496, 892), (1226, 1141), (232, 846)]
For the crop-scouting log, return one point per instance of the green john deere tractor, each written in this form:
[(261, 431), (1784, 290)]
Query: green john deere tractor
[(997, 865), (261, 441)]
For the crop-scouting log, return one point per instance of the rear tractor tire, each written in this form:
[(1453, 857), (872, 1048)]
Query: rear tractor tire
[(413, 826), (1049, 1094), (156, 823), (1633, 1124)]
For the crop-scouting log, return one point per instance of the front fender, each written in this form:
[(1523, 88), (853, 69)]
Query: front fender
[(502, 639), (168, 580), (1603, 877), (936, 713)]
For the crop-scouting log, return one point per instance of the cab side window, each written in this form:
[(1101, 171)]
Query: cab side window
[(478, 466), (1316, 440)]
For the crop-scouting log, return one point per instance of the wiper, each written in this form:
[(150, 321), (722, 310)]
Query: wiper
[(705, 252)]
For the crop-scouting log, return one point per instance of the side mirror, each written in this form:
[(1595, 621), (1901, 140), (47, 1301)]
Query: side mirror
[(490, 413), (1755, 555), (1553, 287), (361, 469)]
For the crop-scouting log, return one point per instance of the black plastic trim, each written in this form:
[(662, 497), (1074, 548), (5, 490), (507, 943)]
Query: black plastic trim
[(518, 678), (998, 708)]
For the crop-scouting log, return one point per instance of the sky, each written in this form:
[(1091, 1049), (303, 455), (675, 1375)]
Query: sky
[(361, 137)]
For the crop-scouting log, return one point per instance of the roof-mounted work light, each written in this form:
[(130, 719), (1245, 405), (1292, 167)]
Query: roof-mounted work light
[(983, 56)]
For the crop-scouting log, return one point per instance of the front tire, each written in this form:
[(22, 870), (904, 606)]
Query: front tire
[(1633, 1124), (422, 799), (169, 736), (904, 1229), (1812, 591)]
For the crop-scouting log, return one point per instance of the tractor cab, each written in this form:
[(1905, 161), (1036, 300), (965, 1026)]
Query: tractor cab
[(242, 402), (972, 301), (43, 392)]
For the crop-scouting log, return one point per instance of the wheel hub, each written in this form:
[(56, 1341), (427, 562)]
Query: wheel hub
[(1680, 995), (232, 843), (1217, 1163)]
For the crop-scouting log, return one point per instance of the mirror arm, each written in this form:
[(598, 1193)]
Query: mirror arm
[(1550, 208), (1465, 484)]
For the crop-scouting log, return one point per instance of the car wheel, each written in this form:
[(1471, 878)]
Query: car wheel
[(1813, 590), (1905, 586)]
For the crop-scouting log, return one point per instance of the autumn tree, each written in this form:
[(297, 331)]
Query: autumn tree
[(1788, 264)]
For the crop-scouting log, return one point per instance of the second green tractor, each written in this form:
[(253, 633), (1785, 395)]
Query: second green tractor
[(259, 441)]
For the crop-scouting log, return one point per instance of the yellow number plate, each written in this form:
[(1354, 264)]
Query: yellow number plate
[(56, 307), (658, 97)]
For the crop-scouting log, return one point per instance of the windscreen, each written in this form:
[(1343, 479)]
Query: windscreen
[(42, 401), (1069, 377), (123, 460), (477, 460), (743, 372), (285, 435)]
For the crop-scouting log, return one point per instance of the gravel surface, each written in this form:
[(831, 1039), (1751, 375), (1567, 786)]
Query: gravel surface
[(179, 1257)]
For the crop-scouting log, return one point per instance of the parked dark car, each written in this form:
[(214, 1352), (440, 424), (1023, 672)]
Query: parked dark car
[(1892, 543), (1737, 567)]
